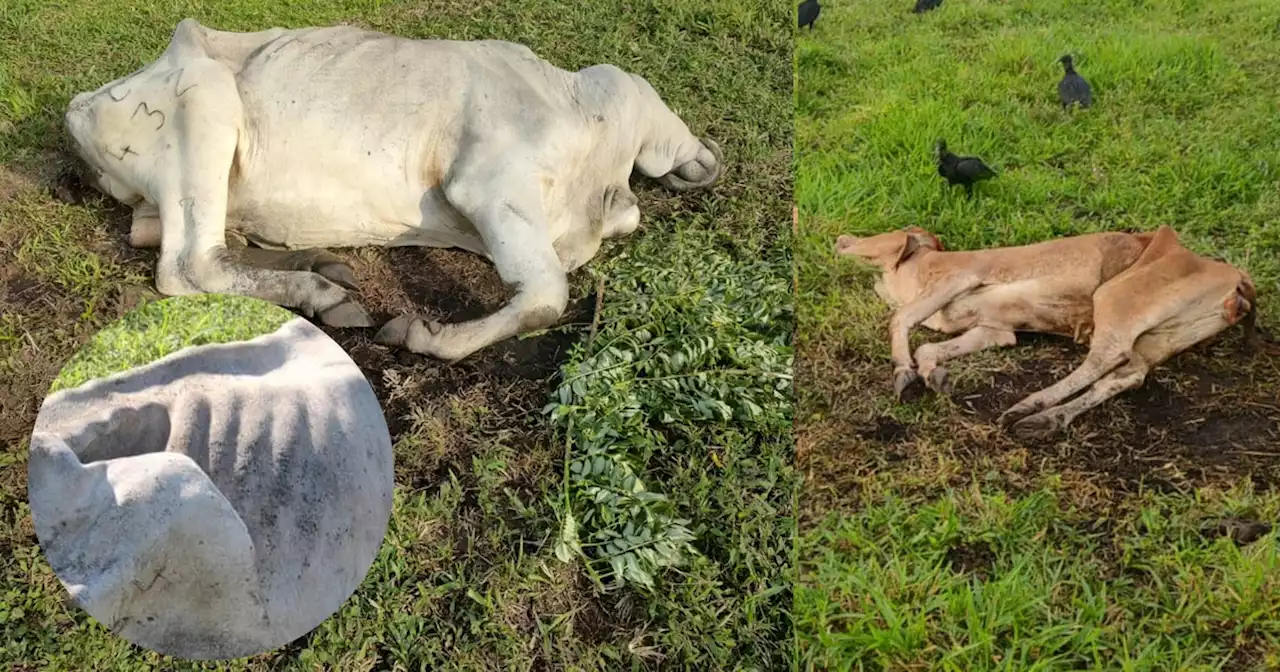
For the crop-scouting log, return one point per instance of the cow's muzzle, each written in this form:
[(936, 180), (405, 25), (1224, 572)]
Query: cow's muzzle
[(700, 173)]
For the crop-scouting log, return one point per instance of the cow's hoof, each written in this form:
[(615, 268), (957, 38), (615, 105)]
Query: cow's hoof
[(346, 315), (420, 336), (907, 385), (396, 332), (939, 381), (1035, 427), (339, 272), (702, 172), (1014, 413)]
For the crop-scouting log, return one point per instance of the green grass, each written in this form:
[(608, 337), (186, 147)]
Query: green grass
[(1085, 570), (164, 327), (468, 577), (1050, 597)]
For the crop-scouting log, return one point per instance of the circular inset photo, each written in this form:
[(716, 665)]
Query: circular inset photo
[(210, 477)]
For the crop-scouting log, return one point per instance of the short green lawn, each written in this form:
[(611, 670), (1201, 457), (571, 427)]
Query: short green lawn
[(161, 328), (930, 539), (472, 575)]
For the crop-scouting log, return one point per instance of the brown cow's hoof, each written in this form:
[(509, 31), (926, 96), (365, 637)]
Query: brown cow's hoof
[(907, 385), (1035, 427), (346, 315), (939, 381), (1014, 414)]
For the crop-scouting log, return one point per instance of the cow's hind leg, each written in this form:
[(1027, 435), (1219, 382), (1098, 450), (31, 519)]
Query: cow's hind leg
[(930, 355), (505, 205), (192, 186), (144, 232), (1045, 423), (1141, 318), (669, 153), (1100, 361), (1200, 321)]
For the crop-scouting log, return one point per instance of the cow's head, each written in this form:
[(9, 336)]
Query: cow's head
[(888, 250), (87, 126)]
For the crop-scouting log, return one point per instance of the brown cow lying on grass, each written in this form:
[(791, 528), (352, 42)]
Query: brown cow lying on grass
[(1139, 299)]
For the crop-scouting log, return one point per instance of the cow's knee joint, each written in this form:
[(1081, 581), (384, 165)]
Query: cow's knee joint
[(543, 309), (537, 318)]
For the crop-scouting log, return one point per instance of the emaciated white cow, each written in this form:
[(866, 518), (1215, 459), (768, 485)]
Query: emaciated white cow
[(341, 137)]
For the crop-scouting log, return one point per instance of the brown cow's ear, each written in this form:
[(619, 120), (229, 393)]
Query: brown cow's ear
[(908, 248)]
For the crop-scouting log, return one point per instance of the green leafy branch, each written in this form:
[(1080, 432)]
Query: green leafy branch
[(688, 347)]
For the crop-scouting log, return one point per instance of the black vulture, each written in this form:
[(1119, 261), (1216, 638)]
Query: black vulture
[(1073, 88), (809, 10), (964, 170)]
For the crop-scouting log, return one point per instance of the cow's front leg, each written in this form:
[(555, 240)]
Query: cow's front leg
[(506, 209), (315, 260), (908, 317), (145, 234), (192, 186), (930, 356)]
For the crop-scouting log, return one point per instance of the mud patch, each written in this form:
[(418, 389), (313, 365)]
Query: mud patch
[(885, 430), (29, 360), (512, 380), (975, 558), (1248, 655), (1209, 416), (1204, 416), (1241, 531)]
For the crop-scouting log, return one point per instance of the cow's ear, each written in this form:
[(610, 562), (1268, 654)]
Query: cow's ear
[(909, 248)]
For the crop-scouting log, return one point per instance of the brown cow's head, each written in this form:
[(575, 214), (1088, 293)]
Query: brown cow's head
[(888, 250)]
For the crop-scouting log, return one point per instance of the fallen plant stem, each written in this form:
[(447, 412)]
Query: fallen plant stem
[(595, 317)]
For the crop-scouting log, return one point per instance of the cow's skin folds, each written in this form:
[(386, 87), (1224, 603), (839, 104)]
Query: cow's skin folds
[(219, 502)]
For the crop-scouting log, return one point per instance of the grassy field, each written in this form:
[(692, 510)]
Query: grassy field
[(161, 328), (480, 569), (929, 539)]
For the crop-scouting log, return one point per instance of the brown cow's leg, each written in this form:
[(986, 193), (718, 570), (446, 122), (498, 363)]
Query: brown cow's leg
[(1127, 377), (1190, 312), (912, 314), (930, 355), (1100, 362)]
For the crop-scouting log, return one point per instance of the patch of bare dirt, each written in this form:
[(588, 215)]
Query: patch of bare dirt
[(1249, 655), (1209, 416), (975, 558), (1241, 531), (13, 182)]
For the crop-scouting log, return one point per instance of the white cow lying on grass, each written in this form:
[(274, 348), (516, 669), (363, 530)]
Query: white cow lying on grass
[(219, 502), (340, 137)]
